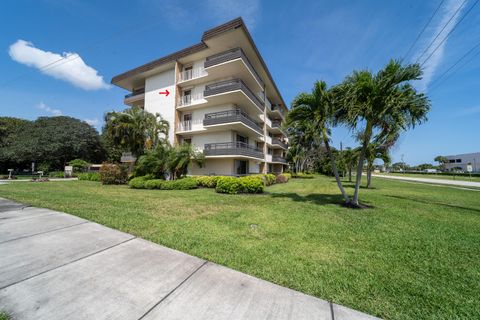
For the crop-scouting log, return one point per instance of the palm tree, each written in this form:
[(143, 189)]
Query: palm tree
[(382, 103), (350, 159), (441, 161), (179, 158), (313, 113), (375, 151), (136, 130)]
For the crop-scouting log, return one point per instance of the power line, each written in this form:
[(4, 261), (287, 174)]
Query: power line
[(440, 32), (448, 34), (424, 28), (437, 82)]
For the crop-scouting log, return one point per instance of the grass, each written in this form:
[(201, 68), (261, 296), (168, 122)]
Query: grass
[(415, 255), (434, 176)]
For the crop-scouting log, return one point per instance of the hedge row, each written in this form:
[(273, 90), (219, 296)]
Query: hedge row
[(89, 176), (248, 184), (146, 183)]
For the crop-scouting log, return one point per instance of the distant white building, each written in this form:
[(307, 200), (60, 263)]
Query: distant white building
[(460, 161)]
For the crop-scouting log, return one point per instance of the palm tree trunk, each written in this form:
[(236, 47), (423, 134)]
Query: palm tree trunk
[(349, 174), (335, 171), (369, 177), (361, 159)]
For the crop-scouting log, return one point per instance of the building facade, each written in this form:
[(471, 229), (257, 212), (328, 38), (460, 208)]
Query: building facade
[(219, 96), (460, 162)]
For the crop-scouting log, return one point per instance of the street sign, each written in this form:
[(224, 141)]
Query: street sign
[(469, 168)]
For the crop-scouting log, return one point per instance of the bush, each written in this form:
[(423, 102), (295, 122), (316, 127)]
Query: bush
[(159, 184), (79, 165), (113, 174), (251, 184), (207, 181), (56, 174), (270, 179), (287, 175), (281, 179), (232, 185), (301, 175), (138, 183), (89, 176)]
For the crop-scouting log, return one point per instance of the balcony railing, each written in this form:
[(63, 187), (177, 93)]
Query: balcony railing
[(230, 116), (189, 99), (232, 148), (192, 74), (279, 109), (276, 124), (232, 85), (189, 125), (229, 55), (279, 142), (278, 159), (135, 93)]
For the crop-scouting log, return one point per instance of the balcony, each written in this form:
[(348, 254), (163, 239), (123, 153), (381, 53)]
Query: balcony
[(190, 126), (278, 110), (278, 142), (279, 159), (135, 99), (236, 62), (190, 76), (190, 99), (232, 149), (276, 124), (233, 91), (229, 117)]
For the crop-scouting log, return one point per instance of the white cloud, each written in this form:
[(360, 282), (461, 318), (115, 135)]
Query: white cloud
[(67, 66), (44, 107), (223, 10), (434, 61), (92, 122)]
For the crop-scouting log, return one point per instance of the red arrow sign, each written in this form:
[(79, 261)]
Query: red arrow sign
[(166, 92)]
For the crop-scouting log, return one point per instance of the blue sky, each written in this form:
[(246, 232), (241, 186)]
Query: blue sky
[(301, 41)]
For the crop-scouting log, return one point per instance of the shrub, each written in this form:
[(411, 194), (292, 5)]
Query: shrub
[(89, 176), (79, 165), (230, 185), (113, 174), (270, 179), (57, 174), (281, 179), (137, 183), (159, 184), (207, 181), (301, 175), (287, 175), (252, 184)]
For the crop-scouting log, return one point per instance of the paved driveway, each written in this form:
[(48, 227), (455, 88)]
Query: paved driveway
[(57, 266)]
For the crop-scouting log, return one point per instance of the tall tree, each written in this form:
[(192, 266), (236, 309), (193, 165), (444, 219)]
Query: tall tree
[(442, 161), (349, 157), (380, 103), (314, 113)]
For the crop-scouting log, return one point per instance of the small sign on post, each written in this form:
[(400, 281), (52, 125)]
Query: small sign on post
[(10, 174), (469, 170), (68, 171)]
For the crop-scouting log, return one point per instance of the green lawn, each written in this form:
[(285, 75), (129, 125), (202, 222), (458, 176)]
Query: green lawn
[(416, 255), (434, 176)]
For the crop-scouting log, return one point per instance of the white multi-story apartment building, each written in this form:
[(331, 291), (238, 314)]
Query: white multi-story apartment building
[(219, 96)]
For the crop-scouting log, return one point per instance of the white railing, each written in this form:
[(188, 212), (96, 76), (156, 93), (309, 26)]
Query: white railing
[(192, 74), (268, 139), (267, 120), (190, 99), (190, 125), (268, 157)]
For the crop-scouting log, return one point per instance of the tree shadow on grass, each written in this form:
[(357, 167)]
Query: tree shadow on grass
[(435, 203), (315, 198)]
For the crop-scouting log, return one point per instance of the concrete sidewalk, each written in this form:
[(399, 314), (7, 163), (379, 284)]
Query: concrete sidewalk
[(434, 181), (57, 266)]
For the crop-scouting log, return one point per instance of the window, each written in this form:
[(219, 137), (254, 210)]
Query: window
[(242, 138), (458, 160), (241, 167), (187, 97), (269, 151), (451, 161), (188, 73), (187, 141)]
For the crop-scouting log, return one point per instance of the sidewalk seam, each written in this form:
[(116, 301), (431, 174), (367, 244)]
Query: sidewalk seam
[(173, 290)]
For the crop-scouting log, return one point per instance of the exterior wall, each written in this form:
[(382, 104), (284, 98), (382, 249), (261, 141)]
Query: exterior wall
[(254, 166), (213, 167), (465, 159), (155, 102)]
